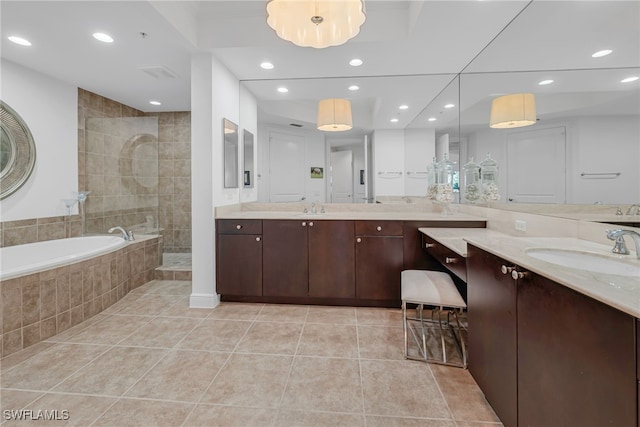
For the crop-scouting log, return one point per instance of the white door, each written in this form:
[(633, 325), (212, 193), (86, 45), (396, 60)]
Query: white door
[(536, 166), (286, 167), (342, 177)]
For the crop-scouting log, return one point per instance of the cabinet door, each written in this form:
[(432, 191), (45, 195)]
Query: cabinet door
[(239, 259), (284, 258), (378, 268), (331, 259), (492, 332), (576, 358)]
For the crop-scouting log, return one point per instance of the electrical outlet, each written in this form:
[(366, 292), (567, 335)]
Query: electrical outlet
[(521, 225)]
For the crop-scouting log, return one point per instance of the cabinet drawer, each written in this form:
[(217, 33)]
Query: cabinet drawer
[(379, 228), (239, 226), (449, 259)]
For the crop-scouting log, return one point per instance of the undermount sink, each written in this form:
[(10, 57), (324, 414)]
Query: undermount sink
[(587, 261)]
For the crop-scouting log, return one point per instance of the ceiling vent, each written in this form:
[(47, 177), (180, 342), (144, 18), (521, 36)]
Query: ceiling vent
[(160, 72)]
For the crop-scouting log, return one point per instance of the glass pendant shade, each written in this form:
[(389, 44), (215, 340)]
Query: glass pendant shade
[(513, 111), (334, 115), (319, 23)]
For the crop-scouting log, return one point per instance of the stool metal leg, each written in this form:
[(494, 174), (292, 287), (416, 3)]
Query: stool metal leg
[(404, 327)]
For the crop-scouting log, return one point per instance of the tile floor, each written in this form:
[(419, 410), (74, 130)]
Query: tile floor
[(149, 360)]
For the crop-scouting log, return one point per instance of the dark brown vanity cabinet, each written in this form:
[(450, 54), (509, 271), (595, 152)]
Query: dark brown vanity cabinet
[(379, 261), (239, 257), (308, 259), (546, 355)]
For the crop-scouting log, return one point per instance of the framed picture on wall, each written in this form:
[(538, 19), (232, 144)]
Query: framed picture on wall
[(317, 172)]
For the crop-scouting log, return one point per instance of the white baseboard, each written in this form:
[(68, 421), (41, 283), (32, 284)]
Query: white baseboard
[(204, 300)]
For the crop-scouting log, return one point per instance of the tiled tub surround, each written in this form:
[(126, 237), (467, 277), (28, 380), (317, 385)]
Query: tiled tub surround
[(39, 230), (37, 306)]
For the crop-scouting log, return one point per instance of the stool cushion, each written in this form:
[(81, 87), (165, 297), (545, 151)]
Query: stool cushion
[(430, 288)]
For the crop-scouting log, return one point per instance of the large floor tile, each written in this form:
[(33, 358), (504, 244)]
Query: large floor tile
[(162, 332), (149, 305), (379, 316), (130, 363), (46, 369), (466, 400), (408, 422), (381, 342), (283, 313), (324, 384), (13, 400), (181, 309), (18, 357), (315, 419), (215, 335), (180, 375), (329, 340), (335, 315), (166, 287), (136, 413), (401, 389), (271, 338), (111, 330), (231, 416), (235, 311), (250, 380)]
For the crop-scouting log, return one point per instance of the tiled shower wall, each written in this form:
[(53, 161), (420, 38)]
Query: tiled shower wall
[(171, 195)]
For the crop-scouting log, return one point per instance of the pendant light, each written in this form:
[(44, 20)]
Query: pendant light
[(334, 115), (513, 111)]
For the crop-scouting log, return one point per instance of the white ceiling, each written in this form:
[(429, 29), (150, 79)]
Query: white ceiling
[(411, 51)]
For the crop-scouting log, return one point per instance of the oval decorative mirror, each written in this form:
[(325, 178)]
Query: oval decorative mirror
[(17, 151)]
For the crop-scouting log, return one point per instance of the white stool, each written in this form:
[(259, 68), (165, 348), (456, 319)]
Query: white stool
[(435, 289)]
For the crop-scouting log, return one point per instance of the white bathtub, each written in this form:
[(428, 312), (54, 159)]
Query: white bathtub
[(20, 260)]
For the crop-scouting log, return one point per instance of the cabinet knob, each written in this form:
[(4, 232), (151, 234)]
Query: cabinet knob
[(449, 260), (379, 228), (519, 275), (429, 245), (358, 240), (506, 270), (238, 227), (304, 223), (258, 239), (311, 224)]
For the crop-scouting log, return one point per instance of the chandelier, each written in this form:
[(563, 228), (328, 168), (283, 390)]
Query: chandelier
[(316, 23)]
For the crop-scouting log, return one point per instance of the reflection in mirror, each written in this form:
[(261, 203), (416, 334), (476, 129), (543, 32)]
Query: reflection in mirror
[(247, 142), (230, 154), (17, 151), (583, 149)]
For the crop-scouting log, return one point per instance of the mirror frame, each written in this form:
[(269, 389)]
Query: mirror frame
[(230, 141), (23, 160), (248, 166)]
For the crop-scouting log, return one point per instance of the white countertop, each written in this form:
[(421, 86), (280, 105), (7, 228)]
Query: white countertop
[(354, 215), (620, 292)]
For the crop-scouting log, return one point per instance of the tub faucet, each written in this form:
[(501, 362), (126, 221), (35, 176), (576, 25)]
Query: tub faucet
[(620, 246), (126, 235)]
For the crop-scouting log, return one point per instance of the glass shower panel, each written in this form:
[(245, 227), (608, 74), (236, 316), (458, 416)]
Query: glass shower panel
[(121, 169)]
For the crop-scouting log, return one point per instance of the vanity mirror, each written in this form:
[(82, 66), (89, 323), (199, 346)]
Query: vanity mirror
[(230, 154), (247, 145), (17, 151)]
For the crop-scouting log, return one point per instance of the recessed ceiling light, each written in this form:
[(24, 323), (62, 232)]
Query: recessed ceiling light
[(355, 62), (432, 119), (106, 38), (20, 41), (629, 79), (283, 89), (155, 102), (267, 65), (601, 53), (449, 105), (545, 82), (394, 120), (403, 107), (354, 87)]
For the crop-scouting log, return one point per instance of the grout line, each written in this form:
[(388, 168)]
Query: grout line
[(364, 411)]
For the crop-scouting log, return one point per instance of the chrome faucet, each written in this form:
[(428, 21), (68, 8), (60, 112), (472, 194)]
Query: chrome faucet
[(313, 208), (620, 246), (630, 210), (126, 235)]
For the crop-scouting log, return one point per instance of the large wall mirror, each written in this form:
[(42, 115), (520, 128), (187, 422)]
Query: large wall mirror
[(230, 154), (17, 151), (247, 145)]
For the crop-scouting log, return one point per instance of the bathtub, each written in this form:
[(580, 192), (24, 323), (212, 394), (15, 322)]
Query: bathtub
[(31, 258)]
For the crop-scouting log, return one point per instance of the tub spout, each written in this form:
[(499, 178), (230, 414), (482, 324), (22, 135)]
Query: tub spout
[(126, 235)]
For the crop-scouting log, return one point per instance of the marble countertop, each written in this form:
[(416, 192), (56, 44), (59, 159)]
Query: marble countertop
[(349, 215), (621, 292)]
